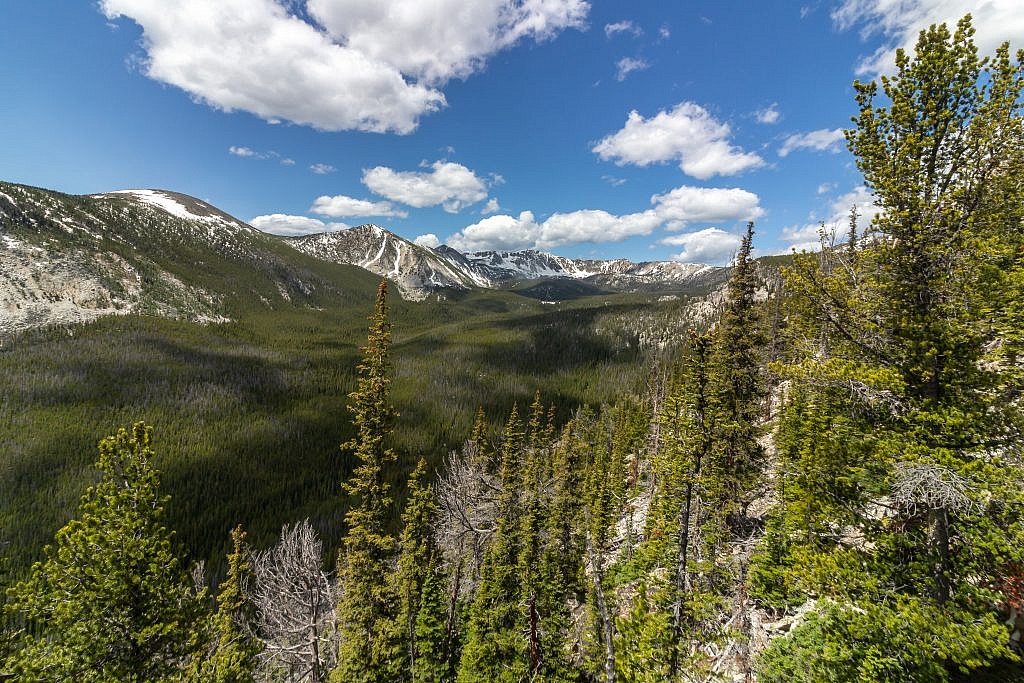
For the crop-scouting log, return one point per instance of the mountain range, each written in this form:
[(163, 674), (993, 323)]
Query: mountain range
[(70, 258), (420, 271)]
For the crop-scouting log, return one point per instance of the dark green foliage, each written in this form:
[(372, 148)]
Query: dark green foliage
[(739, 390), (643, 643), (907, 640), (111, 601), (234, 650), (770, 576), (7, 627), (252, 411), (900, 496), (423, 652), (366, 599), (495, 648), (619, 547)]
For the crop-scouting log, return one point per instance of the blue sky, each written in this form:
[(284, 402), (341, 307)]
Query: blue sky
[(647, 130)]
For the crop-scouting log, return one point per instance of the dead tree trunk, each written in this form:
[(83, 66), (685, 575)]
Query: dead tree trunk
[(607, 624)]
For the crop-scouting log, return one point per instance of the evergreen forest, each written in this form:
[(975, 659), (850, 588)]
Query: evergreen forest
[(823, 483)]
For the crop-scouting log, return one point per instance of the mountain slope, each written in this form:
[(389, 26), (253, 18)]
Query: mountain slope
[(68, 258), (416, 270)]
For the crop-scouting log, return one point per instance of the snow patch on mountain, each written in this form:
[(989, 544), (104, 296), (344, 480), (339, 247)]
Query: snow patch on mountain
[(161, 200)]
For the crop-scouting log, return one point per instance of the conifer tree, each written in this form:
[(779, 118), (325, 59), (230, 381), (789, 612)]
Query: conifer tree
[(740, 388), (603, 500), (478, 437), (111, 601), (496, 649), (419, 584), (688, 442), (7, 634), (560, 577), (235, 649), (916, 371), (643, 642), (366, 603)]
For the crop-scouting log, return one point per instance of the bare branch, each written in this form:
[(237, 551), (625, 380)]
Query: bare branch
[(295, 602)]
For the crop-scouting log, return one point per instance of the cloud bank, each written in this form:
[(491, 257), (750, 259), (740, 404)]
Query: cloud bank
[(451, 185), (674, 210)]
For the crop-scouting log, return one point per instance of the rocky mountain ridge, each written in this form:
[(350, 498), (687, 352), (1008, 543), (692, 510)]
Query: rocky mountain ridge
[(69, 259), (419, 271)]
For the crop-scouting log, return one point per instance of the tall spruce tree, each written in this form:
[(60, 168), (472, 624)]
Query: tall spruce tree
[(560, 576), (918, 372), (366, 603), (419, 582), (235, 649), (496, 649), (739, 387), (111, 600), (688, 425)]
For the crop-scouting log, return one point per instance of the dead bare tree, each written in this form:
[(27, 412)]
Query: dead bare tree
[(594, 558), (931, 487), (295, 603), (467, 494)]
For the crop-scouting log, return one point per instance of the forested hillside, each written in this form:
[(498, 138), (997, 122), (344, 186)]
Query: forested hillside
[(813, 475)]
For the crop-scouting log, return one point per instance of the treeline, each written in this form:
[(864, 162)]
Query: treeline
[(827, 487)]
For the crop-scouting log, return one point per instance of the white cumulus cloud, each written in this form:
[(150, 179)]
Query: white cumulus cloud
[(242, 151), (995, 21), (491, 206), (860, 197), (504, 232), (806, 237), (590, 225), (429, 240), (436, 40), (688, 133), (371, 66), (768, 115), (688, 204), (821, 140), (449, 184), (711, 245), (340, 205), (283, 224), (501, 232)]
